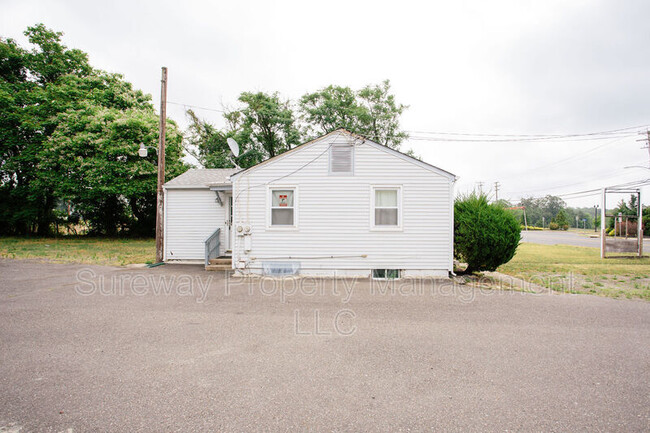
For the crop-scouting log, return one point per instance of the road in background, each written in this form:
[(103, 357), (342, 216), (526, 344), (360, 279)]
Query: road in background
[(548, 237)]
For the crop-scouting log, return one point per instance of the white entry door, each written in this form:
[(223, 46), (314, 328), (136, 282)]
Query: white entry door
[(228, 224)]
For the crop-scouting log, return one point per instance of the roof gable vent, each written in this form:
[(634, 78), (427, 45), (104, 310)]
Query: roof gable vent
[(341, 159)]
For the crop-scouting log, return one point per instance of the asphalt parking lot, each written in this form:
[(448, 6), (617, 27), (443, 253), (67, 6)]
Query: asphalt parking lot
[(174, 348)]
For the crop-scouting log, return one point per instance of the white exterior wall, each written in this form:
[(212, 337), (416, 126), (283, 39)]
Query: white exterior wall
[(191, 216), (334, 215)]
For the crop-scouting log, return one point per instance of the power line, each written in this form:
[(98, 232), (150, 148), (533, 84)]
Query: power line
[(611, 131), (597, 191), (196, 106), (599, 135)]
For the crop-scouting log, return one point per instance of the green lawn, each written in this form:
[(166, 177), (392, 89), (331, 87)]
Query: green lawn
[(580, 270), (116, 252)]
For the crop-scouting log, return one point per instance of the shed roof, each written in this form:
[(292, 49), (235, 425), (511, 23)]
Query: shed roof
[(201, 178)]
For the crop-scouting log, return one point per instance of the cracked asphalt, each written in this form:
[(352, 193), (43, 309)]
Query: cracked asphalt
[(177, 349)]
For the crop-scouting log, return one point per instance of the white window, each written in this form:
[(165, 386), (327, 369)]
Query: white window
[(341, 159), (282, 207), (386, 207)]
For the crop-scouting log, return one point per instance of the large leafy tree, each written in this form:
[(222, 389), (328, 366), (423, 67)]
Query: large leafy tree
[(28, 108), (93, 160), (371, 111), (64, 130), (264, 126)]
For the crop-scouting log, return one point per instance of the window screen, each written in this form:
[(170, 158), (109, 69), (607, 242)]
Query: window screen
[(341, 159), (282, 207), (386, 207)]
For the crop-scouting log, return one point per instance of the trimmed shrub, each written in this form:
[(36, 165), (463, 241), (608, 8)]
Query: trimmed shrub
[(553, 226), (485, 235)]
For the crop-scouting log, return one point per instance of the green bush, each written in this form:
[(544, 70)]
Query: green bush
[(485, 236), (553, 226)]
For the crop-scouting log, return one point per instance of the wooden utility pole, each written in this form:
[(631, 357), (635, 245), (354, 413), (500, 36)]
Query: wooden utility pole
[(496, 191), (160, 200), (648, 146)]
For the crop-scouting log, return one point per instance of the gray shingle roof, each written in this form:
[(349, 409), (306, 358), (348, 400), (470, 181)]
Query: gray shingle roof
[(201, 177)]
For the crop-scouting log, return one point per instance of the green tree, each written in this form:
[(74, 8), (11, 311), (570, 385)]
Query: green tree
[(371, 112), (92, 159), (541, 210), (268, 123), (561, 220), (265, 126), (630, 209), (28, 107), (331, 108), (211, 145), (49, 96)]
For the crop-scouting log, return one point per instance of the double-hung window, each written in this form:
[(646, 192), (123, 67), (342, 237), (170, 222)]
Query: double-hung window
[(283, 207), (387, 207)]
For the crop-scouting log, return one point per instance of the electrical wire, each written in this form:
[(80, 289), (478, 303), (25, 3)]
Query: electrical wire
[(611, 131), (196, 106), (507, 138), (597, 191)]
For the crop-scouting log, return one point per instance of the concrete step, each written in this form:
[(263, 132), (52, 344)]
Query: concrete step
[(221, 261), (218, 268)]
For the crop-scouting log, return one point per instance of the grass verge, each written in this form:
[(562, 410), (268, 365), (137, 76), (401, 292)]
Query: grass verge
[(114, 252), (580, 270)]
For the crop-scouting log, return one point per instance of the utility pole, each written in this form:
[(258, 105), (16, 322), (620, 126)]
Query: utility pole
[(160, 202), (496, 191), (647, 146), (646, 139), (595, 216), (480, 187)]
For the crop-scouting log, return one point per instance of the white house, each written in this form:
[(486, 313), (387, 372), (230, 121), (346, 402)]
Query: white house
[(338, 205)]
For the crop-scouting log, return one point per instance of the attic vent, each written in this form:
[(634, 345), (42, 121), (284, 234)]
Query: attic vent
[(341, 159)]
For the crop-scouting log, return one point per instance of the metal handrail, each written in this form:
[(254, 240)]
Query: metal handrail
[(212, 246)]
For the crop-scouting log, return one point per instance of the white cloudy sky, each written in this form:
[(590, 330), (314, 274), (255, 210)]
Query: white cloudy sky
[(475, 67)]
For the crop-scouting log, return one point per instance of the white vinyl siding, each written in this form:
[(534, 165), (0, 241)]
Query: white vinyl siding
[(341, 159), (191, 216), (335, 214)]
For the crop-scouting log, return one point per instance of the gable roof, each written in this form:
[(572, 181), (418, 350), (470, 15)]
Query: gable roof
[(201, 178), (342, 131)]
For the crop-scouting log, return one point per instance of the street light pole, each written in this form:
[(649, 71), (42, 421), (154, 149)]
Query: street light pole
[(161, 169)]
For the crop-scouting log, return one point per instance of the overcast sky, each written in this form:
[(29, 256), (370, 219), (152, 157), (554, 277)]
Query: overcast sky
[(470, 67)]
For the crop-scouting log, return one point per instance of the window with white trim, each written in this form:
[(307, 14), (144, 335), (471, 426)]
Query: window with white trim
[(341, 159), (386, 207), (282, 208)]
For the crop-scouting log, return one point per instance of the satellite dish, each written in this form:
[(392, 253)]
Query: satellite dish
[(234, 147)]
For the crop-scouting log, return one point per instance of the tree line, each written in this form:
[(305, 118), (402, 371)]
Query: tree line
[(70, 134), (552, 212)]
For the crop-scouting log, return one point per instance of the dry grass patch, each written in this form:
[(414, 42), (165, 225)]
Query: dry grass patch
[(115, 252), (580, 270)]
